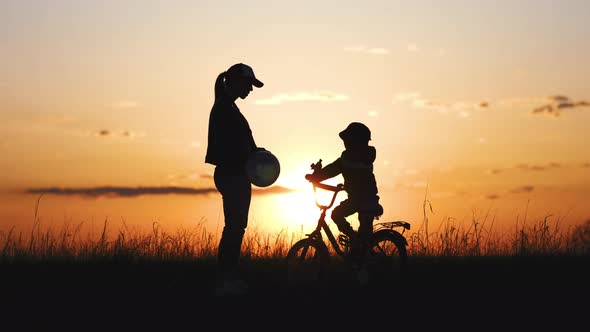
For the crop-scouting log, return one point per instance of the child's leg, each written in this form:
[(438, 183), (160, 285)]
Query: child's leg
[(365, 225), (345, 209), (365, 231), (339, 214)]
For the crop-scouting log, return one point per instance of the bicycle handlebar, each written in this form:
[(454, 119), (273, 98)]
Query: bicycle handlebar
[(328, 187), (316, 184)]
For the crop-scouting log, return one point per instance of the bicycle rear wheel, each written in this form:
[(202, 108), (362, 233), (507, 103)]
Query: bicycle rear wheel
[(387, 257), (306, 261)]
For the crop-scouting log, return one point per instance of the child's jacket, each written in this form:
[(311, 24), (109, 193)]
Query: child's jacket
[(356, 166)]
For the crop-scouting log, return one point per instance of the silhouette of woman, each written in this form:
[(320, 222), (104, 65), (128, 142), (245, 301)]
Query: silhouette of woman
[(230, 142)]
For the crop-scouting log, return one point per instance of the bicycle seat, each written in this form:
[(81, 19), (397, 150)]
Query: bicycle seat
[(375, 211)]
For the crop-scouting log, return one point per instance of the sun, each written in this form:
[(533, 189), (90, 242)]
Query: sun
[(297, 210)]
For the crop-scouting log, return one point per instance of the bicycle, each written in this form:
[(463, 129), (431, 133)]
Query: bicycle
[(385, 257)]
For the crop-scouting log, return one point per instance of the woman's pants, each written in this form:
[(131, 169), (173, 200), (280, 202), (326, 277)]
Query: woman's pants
[(236, 192)]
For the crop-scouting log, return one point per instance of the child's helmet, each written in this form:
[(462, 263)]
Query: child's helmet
[(356, 132)]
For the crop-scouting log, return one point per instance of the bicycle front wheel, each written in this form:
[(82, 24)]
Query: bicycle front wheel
[(306, 261), (387, 256)]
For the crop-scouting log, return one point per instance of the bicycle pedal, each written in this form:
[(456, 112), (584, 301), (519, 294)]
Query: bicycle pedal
[(344, 240)]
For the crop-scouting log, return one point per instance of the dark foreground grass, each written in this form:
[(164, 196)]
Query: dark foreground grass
[(139, 292)]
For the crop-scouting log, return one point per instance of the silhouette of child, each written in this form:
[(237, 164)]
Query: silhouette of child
[(356, 166)]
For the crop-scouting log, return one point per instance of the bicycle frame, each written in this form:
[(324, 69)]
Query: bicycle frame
[(322, 224)]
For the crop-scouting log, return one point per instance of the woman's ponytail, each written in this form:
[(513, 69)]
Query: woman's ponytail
[(219, 85)]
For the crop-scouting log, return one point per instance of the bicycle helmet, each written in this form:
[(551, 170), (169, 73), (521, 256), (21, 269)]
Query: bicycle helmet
[(356, 132)]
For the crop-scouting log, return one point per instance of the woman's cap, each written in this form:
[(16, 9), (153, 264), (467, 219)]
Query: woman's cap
[(240, 70)]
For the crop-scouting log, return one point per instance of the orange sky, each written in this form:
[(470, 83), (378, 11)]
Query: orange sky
[(484, 104)]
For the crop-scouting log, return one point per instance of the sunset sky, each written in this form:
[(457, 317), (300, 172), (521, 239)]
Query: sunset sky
[(478, 106)]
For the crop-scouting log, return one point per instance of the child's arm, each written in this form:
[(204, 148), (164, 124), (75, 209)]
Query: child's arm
[(329, 171)]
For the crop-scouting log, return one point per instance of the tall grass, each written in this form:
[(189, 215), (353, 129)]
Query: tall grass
[(478, 237), (544, 237)]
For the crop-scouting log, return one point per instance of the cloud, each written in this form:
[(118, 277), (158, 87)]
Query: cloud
[(523, 189), (113, 191), (532, 167), (460, 108), (110, 133), (368, 50), (556, 104), (552, 105), (413, 47), (123, 104), (494, 171), (527, 167), (378, 50), (272, 190), (405, 96), (324, 96), (414, 185)]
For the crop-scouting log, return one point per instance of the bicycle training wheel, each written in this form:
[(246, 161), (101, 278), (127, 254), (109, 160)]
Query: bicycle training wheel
[(387, 256), (305, 261)]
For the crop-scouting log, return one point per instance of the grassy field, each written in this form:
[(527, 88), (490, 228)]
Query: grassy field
[(123, 273), (71, 242)]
